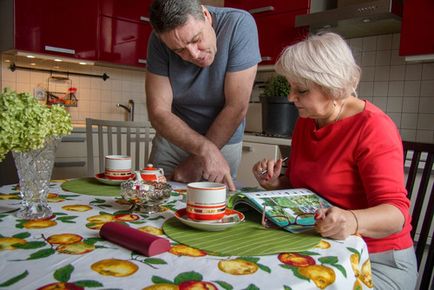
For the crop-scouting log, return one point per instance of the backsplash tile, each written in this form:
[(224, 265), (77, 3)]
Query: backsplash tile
[(96, 98)]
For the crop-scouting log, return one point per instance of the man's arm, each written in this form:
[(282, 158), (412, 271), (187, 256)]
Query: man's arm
[(159, 97), (238, 88)]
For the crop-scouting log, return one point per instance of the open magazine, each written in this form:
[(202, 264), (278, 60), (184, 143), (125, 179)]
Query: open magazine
[(290, 209)]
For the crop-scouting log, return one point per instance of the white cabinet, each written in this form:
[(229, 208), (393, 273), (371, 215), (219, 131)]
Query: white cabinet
[(252, 153), (70, 159)]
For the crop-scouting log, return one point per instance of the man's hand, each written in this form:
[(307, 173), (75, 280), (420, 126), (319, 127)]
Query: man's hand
[(213, 168), (216, 169), (189, 170)]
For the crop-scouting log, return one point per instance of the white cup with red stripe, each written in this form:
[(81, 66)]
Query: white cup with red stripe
[(117, 167), (206, 201)]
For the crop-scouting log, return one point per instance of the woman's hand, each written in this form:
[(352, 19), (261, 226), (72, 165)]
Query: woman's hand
[(336, 223), (267, 173)]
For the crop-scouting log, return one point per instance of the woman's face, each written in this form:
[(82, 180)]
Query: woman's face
[(311, 101)]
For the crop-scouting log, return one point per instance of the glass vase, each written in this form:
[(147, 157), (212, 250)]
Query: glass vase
[(34, 171)]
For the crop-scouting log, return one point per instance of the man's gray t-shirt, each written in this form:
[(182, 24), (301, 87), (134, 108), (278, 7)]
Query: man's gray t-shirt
[(198, 93)]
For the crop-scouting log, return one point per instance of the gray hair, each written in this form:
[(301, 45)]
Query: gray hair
[(324, 59), (166, 15)]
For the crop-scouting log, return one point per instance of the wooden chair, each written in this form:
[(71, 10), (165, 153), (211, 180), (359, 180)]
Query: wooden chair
[(420, 156), (116, 137)]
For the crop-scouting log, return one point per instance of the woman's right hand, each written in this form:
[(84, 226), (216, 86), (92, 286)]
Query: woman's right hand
[(267, 173)]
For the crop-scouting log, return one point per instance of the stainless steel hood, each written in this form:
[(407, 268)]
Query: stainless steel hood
[(351, 18)]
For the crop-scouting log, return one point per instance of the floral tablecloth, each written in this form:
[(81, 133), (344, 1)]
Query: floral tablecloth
[(66, 252)]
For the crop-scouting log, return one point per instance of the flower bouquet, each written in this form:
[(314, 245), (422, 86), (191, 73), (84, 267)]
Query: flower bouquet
[(31, 131)]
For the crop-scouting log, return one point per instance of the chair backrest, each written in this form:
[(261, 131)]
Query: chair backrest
[(420, 189), (116, 137)]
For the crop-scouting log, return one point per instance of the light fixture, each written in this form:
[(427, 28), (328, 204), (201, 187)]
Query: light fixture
[(7, 60), (366, 20), (82, 63), (54, 58), (32, 63)]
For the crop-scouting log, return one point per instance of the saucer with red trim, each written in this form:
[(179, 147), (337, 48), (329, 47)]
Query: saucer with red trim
[(102, 178), (230, 219)]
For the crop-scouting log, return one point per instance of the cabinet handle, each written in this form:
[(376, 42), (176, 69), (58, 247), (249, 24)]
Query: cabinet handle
[(247, 148), (145, 19), (73, 139), (70, 164), (59, 49), (142, 61), (261, 10)]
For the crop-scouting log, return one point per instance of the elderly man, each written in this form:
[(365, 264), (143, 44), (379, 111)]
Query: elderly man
[(202, 63)]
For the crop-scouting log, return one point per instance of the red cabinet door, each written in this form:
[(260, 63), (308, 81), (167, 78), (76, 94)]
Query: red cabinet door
[(123, 42), (66, 28), (135, 10), (276, 31), (417, 33), (268, 6)]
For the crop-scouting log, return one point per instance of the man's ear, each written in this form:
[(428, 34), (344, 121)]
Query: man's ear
[(206, 14)]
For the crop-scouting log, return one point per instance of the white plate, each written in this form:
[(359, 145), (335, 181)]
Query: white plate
[(212, 226), (101, 178)]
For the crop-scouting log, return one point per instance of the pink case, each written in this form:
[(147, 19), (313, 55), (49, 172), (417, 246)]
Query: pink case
[(133, 239)]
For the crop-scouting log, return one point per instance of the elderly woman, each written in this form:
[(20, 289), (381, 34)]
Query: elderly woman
[(348, 151)]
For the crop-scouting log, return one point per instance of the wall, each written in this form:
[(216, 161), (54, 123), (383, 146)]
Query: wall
[(405, 91), (96, 98)]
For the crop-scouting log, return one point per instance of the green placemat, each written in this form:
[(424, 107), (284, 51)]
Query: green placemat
[(248, 238), (90, 186)]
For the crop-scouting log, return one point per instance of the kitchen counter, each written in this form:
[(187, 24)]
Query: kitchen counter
[(252, 137)]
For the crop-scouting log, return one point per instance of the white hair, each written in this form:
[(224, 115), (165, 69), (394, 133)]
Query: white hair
[(323, 59)]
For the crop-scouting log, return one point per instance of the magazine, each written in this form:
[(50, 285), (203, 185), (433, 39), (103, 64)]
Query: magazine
[(291, 209)]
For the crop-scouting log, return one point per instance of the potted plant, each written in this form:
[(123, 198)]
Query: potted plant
[(31, 131), (278, 114)]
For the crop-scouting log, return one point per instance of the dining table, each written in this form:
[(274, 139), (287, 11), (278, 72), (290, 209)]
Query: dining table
[(66, 251)]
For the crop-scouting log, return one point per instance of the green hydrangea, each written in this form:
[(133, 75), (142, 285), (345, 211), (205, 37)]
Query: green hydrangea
[(25, 124)]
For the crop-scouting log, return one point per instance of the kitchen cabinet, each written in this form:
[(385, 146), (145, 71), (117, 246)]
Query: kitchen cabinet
[(252, 153), (61, 28), (275, 20), (133, 10), (417, 35), (124, 32), (123, 41)]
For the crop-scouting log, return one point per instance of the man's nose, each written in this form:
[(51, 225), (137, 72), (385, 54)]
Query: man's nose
[(193, 51)]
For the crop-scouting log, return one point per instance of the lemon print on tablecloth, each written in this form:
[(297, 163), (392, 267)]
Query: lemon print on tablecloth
[(162, 286), (183, 250), (323, 245), (39, 224), (77, 207), (97, 221), (114, 267), (321, 275), (9, 196), (296, 260), (363, 274), (151, 230), (238, 267), (54, 197), (6, 243), (64, 239), (79, 248)]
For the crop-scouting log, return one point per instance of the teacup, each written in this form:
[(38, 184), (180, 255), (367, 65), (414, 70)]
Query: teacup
[(206, 200), (117, 167)]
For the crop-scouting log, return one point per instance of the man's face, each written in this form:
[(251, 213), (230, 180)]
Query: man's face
[(194, 42)]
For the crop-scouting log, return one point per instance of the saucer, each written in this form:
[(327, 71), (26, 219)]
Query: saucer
[(101, 178), (212, 226)]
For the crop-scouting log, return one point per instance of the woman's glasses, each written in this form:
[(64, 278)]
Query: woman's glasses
[(283, 219)]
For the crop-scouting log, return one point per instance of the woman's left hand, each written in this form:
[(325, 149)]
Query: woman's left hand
[(335, 223)]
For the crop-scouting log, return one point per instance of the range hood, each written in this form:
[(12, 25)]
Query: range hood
[(353, 18)]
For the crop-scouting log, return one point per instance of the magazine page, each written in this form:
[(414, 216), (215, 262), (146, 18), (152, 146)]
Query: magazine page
[(291, 209)]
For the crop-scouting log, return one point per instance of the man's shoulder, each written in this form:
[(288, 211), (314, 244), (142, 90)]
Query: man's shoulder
[(229, 13)]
